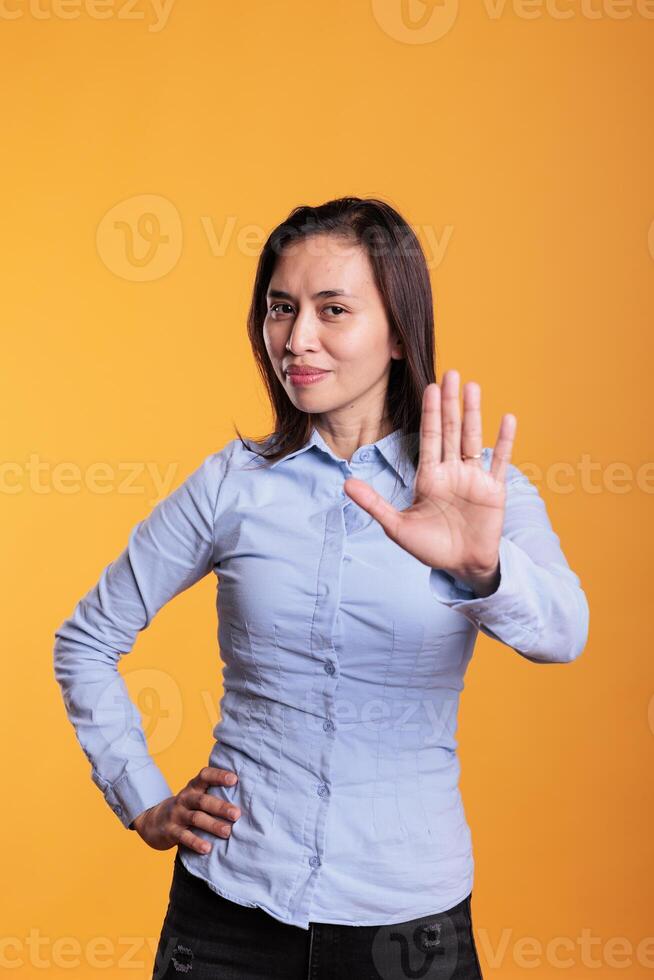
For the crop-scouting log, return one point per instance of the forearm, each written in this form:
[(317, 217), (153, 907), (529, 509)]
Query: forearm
[(531, 600), (538, 610)]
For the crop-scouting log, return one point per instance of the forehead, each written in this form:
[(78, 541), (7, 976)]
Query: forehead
[(323, 263)]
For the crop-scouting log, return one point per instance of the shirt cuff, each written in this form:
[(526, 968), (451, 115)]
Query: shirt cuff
[(135, 791), (503, 614)]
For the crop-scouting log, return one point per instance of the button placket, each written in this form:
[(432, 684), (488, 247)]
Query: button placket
[(324, 630)]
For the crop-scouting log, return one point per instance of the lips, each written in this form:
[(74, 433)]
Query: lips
[(305, 376), (304, 371)]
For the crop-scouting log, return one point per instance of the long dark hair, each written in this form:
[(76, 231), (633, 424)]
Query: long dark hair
[(402, 277)]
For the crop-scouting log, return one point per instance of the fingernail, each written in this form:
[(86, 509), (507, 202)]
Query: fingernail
[(231, 780)]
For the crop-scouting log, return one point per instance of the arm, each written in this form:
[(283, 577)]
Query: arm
[(168, 551), (539, 607)]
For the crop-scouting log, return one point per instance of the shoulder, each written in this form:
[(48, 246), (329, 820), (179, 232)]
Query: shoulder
[(235, 457), (233, 454)]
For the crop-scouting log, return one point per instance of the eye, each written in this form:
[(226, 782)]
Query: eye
[(274, 306), (332, 306)]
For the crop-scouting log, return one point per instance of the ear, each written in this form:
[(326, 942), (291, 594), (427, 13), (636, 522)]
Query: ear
[(397, 351)]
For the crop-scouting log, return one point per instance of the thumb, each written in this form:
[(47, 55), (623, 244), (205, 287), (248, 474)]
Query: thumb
[(374, 504)]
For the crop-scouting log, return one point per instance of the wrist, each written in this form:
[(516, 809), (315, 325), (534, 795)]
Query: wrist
[(482, 582), (138, 821)]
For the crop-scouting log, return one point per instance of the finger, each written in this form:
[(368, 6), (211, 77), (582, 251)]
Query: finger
[(430, 426), (471, 435), (503, 447), (372, 502), (189, 839), (451, 416), (204, 821), (213, 776), (198, 800)]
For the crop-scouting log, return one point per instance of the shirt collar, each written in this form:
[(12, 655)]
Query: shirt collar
[(392, 447)]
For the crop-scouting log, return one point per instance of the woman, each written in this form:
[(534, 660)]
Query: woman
[(356, 565)]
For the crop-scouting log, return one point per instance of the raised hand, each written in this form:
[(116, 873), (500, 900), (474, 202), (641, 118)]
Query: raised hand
[(456, 518)]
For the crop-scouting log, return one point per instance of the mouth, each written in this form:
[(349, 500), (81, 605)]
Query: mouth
[(305, 377)]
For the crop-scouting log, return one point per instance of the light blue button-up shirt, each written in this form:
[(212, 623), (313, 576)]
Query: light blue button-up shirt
[(344, 659)]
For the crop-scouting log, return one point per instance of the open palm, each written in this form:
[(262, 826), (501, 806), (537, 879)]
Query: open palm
[(456, 518)]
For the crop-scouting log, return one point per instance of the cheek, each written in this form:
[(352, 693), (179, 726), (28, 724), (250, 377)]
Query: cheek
[(364, 354), (273, 342), (349, 349)]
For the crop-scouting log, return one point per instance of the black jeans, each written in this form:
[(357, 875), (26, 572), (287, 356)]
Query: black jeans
[(206, 937)]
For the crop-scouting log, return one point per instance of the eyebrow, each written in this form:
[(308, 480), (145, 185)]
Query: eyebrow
[(324, 293)]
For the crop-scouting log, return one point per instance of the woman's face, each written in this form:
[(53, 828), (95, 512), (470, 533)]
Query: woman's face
[(346, 333)]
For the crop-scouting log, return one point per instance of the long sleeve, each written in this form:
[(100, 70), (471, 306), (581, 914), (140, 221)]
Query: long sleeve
[(168, 551), (539, 607)]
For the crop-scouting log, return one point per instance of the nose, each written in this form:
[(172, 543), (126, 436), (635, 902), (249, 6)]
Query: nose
[(303, 335)]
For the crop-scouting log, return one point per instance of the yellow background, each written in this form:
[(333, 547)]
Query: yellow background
[(519, 141)]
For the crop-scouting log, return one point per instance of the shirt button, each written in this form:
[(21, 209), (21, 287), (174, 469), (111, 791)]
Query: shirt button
[(328, 667), (328, 725), (314, 861), (118, 810), (323, 790), (347, 557)]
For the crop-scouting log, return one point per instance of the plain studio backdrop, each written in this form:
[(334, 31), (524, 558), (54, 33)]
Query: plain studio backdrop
[(148, 148)]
